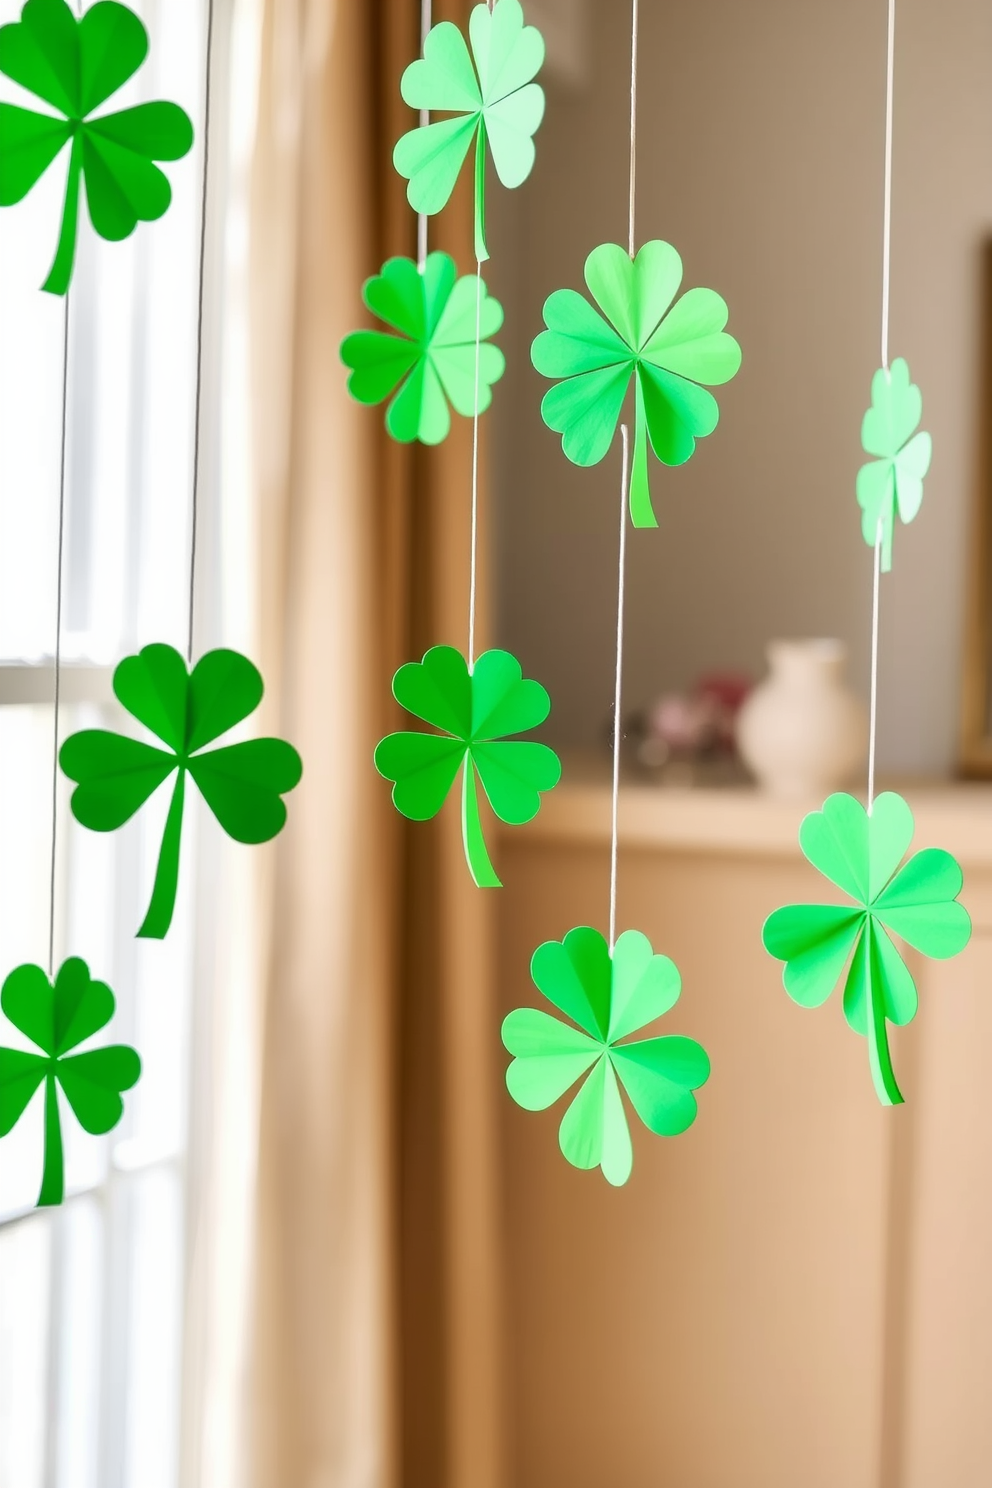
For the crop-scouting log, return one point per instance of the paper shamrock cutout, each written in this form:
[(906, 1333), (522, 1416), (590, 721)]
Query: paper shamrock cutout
[(894, 479), (56, 1019), (609, 998), (495, 100), (75, 66), (667, 346), (432, 361), (862, 854), (476, 709), (243, 784)]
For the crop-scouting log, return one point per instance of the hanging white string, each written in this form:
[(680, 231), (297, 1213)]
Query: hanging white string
[(58, 641), (887, 209), (425, 118), (634, 29), (624, 480), (890, 59), (474, 562), (198, 415), (874, 668), (618, 693), (473, 581)]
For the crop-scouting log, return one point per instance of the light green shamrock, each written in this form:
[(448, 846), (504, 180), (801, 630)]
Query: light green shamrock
[(495, 100), (861, 854), (609, 997), (667, 348), (433, 360), (477, 708), (894, 479)]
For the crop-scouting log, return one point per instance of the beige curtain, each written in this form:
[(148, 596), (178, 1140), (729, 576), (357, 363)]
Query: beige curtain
[(376, 1352)]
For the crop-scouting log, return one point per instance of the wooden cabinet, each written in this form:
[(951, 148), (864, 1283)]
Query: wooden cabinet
[(798, 1292)]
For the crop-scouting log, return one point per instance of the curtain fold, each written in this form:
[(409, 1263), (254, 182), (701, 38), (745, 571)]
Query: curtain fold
[(376, 1319)]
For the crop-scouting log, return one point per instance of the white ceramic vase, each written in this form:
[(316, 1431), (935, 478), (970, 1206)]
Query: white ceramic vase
[(802, 732)]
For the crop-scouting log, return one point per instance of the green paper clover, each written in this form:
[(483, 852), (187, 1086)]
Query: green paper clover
[(894, 480), (433, 360), (57, 1019), (668, 347), (243, 784), (609, 998), (476, 708), (495, 100), (75, 65), (861, 854)]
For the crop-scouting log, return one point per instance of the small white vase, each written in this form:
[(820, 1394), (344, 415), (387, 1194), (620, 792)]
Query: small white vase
[(802, 732)]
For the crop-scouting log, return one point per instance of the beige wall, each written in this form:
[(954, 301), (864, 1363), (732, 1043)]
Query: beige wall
[(760, 154)]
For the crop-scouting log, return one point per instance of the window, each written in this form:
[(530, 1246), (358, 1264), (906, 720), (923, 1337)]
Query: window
[(93, 1296)]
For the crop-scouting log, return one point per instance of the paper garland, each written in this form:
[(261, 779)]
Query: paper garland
[(432, 362), (243, 784), (496, 102), (75, 66), (57, 1018), (667, 346), (893, 481), (609, 997), (861, 855), (477, 709), (859, 850)]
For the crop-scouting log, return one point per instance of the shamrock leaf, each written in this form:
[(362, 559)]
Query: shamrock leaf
[(243, 784), (494, 99), (476, 708), (56, 1019), (667, 346), (433, 360), (861, 855), (75, 66), (609, 998), (894, 480)]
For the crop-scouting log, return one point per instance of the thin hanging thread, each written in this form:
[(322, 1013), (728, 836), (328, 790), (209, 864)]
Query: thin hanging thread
[(886, 287), (474, 563), (634, 29), (194, 515), (890, 69), (426, 18), (624, 480), (618, 694), (474, 540), (58, 642)]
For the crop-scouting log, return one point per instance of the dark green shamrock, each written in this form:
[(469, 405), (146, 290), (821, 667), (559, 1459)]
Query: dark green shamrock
[(76, 65), (242, 784), (57, 1019), (477, 707)]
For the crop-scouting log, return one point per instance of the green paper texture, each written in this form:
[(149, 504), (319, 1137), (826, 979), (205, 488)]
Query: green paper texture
[(609, 998), (819, 943), (494, 101), (57, 1018), (74, 66), (243, 784), (667, 346), (893, 481), (431, 363), (476, 709)]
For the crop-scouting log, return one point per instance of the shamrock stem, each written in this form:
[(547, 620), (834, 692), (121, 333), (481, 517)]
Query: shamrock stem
[(60, 273), (53, 1177), (476, 853), (641, 510), (481, 251), (163, 901), (879, 1057)]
